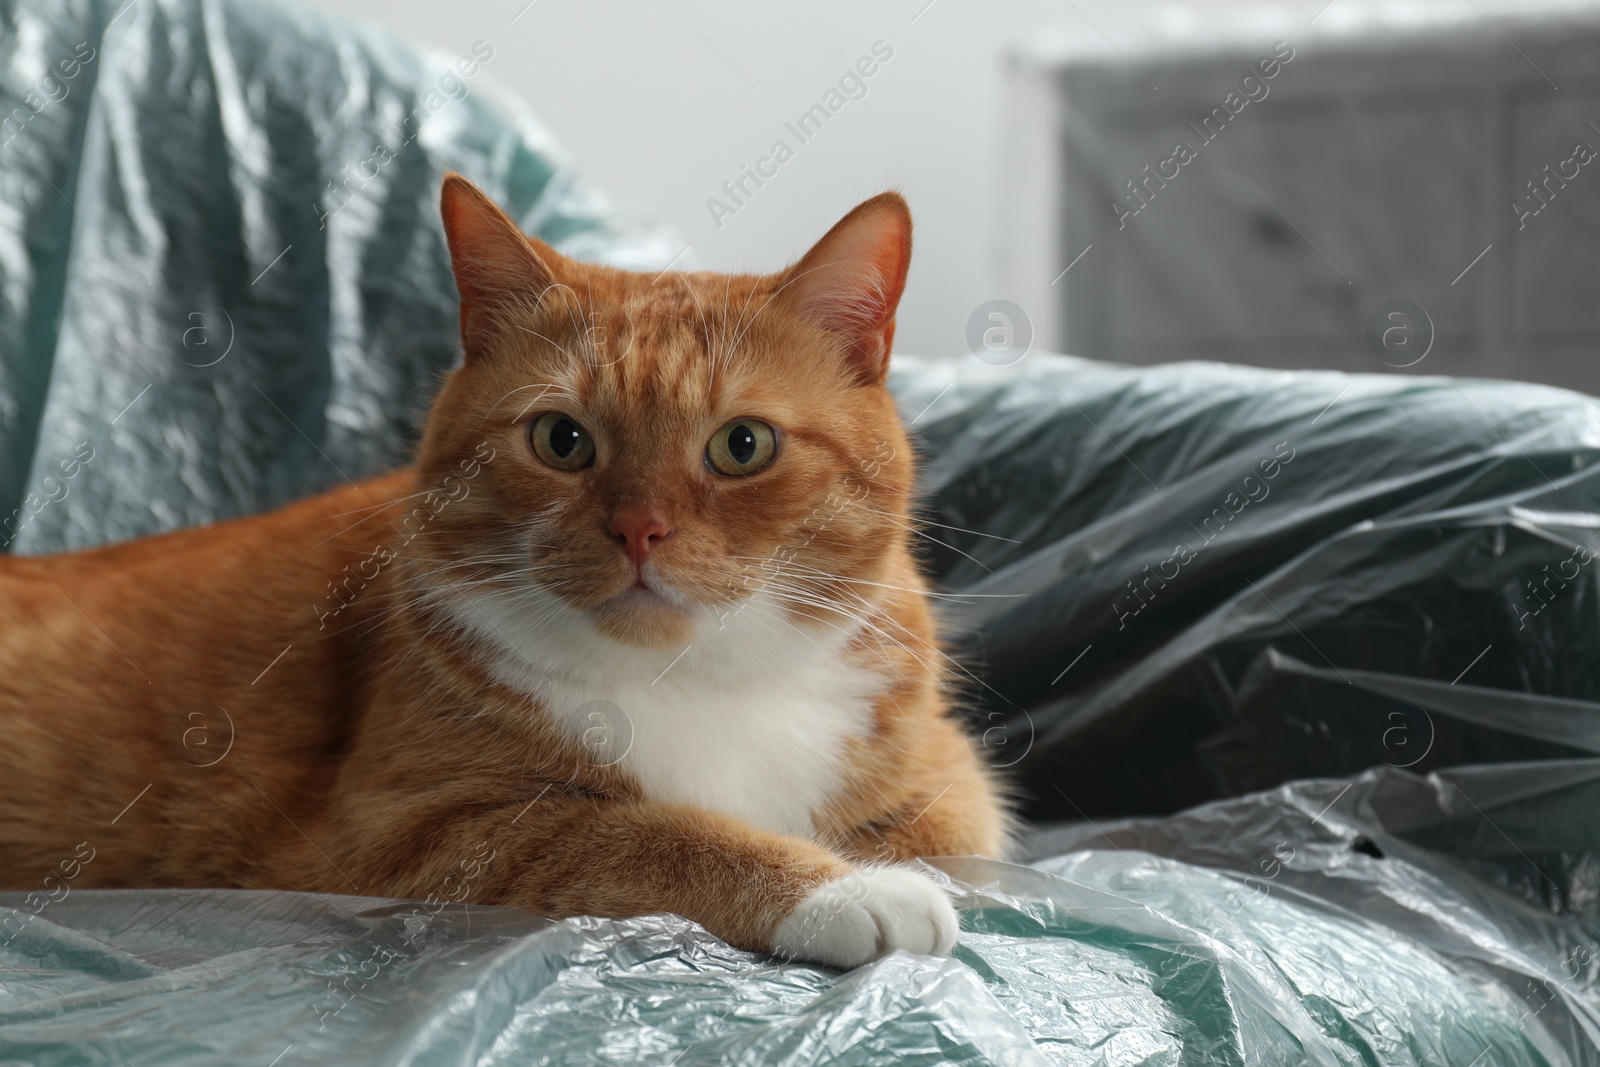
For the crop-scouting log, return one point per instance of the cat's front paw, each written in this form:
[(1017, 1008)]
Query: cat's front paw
[(868, 912)]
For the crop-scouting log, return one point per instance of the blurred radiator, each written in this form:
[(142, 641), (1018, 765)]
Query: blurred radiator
[(1382, 186)]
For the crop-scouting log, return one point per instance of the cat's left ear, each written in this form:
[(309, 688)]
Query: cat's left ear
[(851, 280), (498, 269)]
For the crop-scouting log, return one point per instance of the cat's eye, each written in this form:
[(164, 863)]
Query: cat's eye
[(560, 442), (742, 447)]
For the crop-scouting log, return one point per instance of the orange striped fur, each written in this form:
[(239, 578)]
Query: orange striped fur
[(358, 693)]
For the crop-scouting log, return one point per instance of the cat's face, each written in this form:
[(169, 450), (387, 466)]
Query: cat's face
[(667, 447)]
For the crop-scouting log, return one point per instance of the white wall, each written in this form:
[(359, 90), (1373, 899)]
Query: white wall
[(661, 101)]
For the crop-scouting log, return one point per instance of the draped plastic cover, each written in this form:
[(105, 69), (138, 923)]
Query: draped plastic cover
[(1174, 586), (1389, 918), (1107, 956), (221, 258), (1195, 580)]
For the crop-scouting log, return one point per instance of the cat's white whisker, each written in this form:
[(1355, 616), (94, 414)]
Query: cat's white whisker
[(929, 522), (958, 597), (924, 534)]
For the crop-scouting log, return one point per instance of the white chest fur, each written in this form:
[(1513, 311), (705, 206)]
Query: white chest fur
[(751, 719)]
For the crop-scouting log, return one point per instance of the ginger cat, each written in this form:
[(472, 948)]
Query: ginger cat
[(640, 631)]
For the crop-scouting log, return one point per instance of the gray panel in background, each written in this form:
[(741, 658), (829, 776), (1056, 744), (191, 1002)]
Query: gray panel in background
[(1381, 164)]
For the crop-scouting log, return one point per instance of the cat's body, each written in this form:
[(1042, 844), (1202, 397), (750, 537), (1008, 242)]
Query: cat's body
[(634, 685)]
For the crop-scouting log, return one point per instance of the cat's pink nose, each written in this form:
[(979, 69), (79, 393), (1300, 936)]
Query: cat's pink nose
[(639, 531)]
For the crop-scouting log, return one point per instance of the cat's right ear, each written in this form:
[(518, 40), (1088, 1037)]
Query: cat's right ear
[(851, 280), (498, 269)]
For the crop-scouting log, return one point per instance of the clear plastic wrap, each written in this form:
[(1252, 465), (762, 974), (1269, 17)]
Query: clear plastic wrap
[(1195, 580), (222, 271), (1175, 590), (1303, 926)]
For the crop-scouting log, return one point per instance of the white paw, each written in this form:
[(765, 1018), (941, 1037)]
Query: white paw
[(868, 912)]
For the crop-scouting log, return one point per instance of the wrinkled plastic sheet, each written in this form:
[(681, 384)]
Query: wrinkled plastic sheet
[(1313, 925), (222, 273), (180, 300), (1193, 581), (1433, 900)]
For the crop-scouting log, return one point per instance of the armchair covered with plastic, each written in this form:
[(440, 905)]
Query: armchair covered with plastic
[(1305, 662)]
